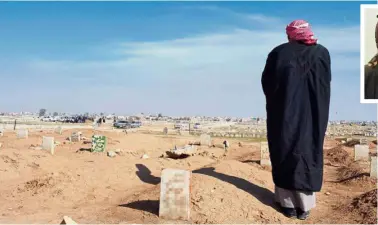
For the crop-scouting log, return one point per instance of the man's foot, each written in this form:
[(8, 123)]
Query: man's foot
[(289, 212), (303, 215)]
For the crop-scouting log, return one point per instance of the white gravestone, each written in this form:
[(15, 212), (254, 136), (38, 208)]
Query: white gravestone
[(265, 156), (75, 137), (363, 141), (373, 167), (175, 194), (205, 139), (22, 133), (48, 144), (361, 152), (59, 130)]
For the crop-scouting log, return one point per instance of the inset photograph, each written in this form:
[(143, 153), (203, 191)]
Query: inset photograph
[(369, 53)]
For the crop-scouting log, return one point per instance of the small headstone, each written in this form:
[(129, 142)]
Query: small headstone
[(145, 156), (361, 152), (165, 130), (175, 194), (22, 133), (349, 139), (75, 137), (265, 156), (373, 167), (111, 154), (98, 143), (363, 141), (205, 139), (59, 130), (48, 144)]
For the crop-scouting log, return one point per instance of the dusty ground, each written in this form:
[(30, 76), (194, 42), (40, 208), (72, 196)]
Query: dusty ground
[(38, 187)]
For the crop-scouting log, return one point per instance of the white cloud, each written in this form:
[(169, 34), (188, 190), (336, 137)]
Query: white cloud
[(207, 74)]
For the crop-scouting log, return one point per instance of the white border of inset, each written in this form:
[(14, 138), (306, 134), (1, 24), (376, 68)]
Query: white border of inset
[(363, 7)]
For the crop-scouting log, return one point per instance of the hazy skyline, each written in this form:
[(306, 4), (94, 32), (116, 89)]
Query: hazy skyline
[(174, 58)]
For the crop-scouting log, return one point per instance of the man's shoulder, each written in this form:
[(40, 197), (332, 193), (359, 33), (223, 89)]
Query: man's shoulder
[(280, 47)]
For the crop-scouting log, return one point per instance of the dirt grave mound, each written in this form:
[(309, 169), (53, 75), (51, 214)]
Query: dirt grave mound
[(337, 156), (43, 183), (36, 184), (355, 174), (366, 206)]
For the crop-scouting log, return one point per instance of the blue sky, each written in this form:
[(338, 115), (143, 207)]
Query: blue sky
[(177, 58)]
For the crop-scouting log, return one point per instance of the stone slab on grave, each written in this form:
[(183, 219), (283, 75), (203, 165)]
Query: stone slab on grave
[(75, 137), (59, 130), (175, 194), (48, 144), (373, 167), (265, 156), (364, 141), (22, 133), (361, 152), (205, 139)]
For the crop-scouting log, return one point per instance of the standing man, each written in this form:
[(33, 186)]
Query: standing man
[(226, 145), (297, 84)]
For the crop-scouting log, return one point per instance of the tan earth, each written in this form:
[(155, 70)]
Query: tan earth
[(37, 187)]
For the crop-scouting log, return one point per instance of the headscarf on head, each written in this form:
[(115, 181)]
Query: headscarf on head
[(300, 30)]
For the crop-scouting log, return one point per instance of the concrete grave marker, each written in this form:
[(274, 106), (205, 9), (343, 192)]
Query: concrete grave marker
[(22, 133), (373, 167), (165, 130), (205, 139), (59, 130), (98, 143), (175, 194), (361, 152), (363, 141), (75, 137), (48, 144), (265, 156)]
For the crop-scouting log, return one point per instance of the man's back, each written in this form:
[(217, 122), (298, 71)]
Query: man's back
[(296, 83)]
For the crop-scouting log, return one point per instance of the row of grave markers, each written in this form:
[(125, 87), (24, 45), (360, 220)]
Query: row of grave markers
[(24, 133), (98, 141), (361, 153)]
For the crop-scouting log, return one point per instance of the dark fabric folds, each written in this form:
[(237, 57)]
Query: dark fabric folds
[(297, 85)]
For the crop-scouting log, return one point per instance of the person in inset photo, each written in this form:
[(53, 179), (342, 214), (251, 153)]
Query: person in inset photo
[(371, 70)]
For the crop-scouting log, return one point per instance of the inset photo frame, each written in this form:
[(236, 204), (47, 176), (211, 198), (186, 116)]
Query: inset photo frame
[(369, 53)]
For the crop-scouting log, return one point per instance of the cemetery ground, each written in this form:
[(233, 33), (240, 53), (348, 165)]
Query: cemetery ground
[(38, 187)]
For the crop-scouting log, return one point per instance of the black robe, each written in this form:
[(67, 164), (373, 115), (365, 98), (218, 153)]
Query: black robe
[(297, 86), (371, 79)]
